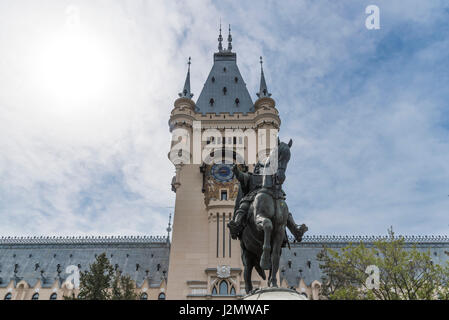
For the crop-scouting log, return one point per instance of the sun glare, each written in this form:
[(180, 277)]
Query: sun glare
[(73, 66)]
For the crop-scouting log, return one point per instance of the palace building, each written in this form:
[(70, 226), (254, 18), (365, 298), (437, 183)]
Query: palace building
[(201, 261)]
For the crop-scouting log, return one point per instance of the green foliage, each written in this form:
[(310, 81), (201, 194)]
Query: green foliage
[(101, 282), (405, 274)]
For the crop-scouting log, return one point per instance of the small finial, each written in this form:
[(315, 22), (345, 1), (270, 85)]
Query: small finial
[(220, 40), (189, 63), (229, 39), (261, 63)]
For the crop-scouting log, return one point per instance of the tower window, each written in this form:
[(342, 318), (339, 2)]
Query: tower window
[(161, 296), (234, 140), (35, 296), (144, 296), (213, 79), (237, 101), (8, 296), (211, 101), (224, 195), (225, 90), (236, 79), (224, 69), (53, 296)]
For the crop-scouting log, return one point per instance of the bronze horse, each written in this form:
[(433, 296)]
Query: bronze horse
[(264, 233)]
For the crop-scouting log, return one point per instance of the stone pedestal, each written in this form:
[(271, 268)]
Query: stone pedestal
[(275, 294)]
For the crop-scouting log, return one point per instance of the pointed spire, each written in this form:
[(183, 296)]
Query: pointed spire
[(186, 91), (263, 91), (229, 39), (169, 228), (220, 40)]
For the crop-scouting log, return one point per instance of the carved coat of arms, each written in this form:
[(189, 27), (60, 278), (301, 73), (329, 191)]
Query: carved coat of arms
[(223, 271)]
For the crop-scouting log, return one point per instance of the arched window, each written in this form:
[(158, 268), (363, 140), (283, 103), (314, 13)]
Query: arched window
[(54, 296), (223, 289), (144, 296), (161, 296), (232, 291), (8, 296), (35, 296), (214, 291)]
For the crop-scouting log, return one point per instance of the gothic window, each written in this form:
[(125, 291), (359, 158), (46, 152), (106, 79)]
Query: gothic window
[(213, 79), (224, 69), (223, 288), (211, 101), (144, 296), (237, 101), (35, 296), (236, 79), (232, 292), (8, 296), (180, 153), (161, 296), (53, 296), (214, 291), (225, 90)]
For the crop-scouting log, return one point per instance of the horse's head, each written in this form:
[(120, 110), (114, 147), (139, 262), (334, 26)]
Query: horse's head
[(283, 157)]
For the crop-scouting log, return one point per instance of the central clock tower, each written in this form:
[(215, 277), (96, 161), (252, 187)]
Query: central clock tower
[(221, 128)]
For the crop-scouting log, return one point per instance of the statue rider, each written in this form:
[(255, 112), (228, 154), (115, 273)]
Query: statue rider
[(250, 184)]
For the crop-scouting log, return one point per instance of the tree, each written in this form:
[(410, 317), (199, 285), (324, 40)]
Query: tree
[(123, 288), (101, 282), (406, 274)]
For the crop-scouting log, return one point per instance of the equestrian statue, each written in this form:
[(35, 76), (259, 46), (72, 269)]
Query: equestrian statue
[(261, 216)]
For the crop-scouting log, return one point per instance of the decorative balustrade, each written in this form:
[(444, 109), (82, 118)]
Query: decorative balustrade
[(370, 239), (41, 240)]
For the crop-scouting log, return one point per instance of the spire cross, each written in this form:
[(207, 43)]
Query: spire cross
[(189, 63), (261, 63)]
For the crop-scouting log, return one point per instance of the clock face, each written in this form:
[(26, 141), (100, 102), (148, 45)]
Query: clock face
[(222, 172)]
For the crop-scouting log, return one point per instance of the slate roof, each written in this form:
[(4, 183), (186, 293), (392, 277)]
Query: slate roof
[(224, 85), (35, 258)]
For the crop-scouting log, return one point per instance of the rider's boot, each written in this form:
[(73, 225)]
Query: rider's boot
[(236, 225), (296, 230)]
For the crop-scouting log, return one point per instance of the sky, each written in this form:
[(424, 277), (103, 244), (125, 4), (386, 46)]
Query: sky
[(86, 90)]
